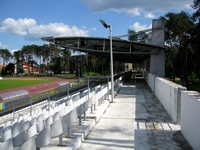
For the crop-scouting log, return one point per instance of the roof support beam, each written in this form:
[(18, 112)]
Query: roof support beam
[(123, 50), (104, 44)]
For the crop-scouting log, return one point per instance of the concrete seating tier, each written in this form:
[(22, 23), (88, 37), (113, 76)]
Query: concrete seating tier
[(37, 129)]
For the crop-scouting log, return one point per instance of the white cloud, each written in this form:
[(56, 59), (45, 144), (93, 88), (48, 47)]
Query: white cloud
[(149, 15), (18, 27), (138, 27), (133, 11), (14, 50), (29, 28), (2, 46), (136, 8)]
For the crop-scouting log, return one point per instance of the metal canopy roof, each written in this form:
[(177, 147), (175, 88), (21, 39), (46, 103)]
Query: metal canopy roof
[(123, 50)]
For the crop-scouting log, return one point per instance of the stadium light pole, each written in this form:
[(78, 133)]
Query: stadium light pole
[(111, 57)]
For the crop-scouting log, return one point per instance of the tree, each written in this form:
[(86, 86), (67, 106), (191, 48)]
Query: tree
[(137, 36), (18, 56), (178, 34), (45, 54), (132, 35), (196, 6), (38, 53), (66, 59), (28, 52), (142, 37), (10, 69), (196, 36), (6, 55), (56, 64)]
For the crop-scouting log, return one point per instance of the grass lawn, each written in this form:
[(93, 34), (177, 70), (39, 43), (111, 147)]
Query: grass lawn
[(14, 83)]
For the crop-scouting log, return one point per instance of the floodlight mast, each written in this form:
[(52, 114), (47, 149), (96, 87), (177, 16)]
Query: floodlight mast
[(111, 58), (104, 24)]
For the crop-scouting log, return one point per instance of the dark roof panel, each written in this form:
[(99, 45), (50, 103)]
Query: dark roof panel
[(123, 50)]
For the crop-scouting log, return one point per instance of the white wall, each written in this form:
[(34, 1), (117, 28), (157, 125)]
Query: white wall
[(168, 94), (183, 106), (190, 117), (151, 81)]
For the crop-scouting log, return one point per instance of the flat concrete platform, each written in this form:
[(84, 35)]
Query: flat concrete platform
[(136, 120)]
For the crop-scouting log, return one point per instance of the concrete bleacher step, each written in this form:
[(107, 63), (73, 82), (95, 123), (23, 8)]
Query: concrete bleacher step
[(79, 133)]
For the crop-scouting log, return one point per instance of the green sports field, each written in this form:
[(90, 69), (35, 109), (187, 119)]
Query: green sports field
[(14, 83)]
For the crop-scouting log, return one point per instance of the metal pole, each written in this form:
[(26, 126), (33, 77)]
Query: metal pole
[(111, 58), (13, 107), (88, 88), (31, 106), (111, 66), (68, 85), (78, 69), (107, 94), (49, 100)]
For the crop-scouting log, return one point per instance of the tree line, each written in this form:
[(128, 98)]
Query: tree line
[(50, 59), (182, 39)]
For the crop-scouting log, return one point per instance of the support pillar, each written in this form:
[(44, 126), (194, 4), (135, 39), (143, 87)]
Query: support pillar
[(157, 62)]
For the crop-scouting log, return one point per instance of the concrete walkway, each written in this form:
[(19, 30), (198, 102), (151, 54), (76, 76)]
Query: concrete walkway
[(136, 120)]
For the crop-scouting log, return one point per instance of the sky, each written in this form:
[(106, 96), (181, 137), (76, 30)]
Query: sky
[(24, 22)]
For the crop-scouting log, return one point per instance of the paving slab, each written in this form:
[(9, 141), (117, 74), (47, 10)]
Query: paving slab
[(136, 120)]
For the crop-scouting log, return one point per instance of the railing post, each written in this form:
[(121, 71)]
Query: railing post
[(88, 88), (60, 140), (99, 99), (84, 116), (95, 105), (69, 130), (13, 107), (79, 118), (95, 98), (108, 89), (68, 85), (91, 108), (49, 99), (30, 106)]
